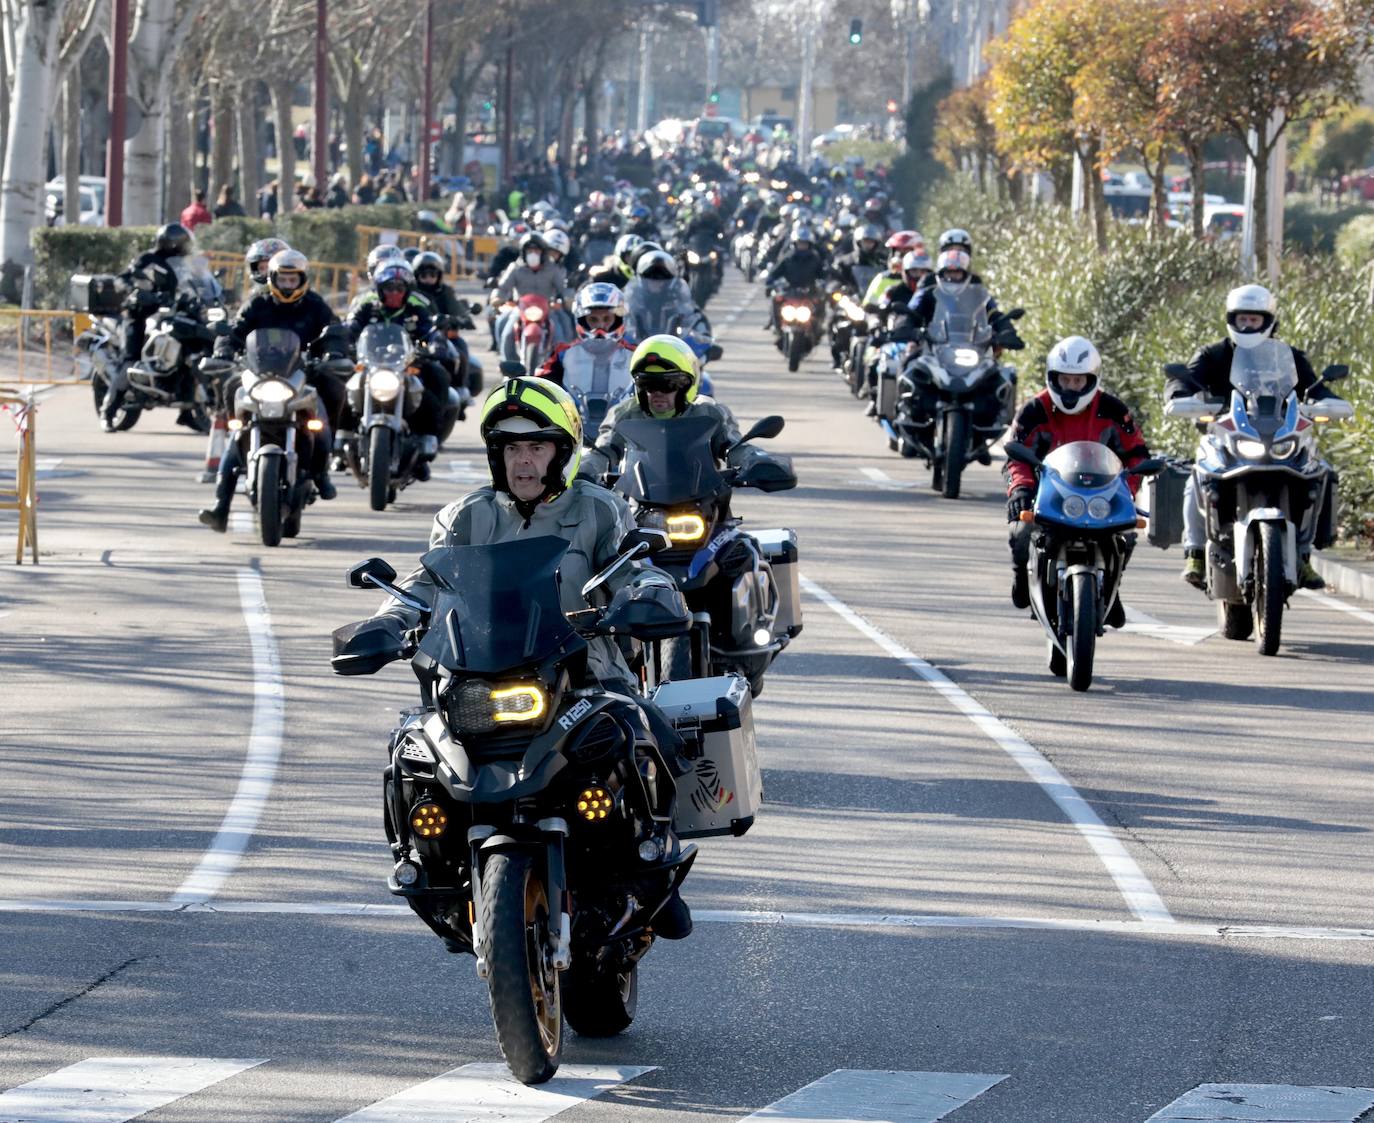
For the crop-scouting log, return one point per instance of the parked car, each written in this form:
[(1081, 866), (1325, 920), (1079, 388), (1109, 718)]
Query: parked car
[(1223, 221), (92, 188)]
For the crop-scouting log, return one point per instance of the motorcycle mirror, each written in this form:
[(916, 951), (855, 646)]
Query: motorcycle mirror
[(374, 568), (714, 352), (615, 567), (1021, 454), (1150, 467), (1016, 313), (763, 429), (1176, 371), (474, 307), (655, 540), (512, 368), (1335, 372)]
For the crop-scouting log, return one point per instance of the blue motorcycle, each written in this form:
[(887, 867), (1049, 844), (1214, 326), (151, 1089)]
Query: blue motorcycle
[(1084, 524)]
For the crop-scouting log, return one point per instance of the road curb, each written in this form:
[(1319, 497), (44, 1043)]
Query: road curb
[(1345, 578)]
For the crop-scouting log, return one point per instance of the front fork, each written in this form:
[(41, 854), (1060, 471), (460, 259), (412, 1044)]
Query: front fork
[(553, 831), (256, 450)]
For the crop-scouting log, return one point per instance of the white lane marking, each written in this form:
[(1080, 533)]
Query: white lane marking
[(478, 1093), (465, 471), (882, 479), (1267, 1103), (1130, 879), (740, 916), (264, 750), (114, 1089), (240, 522), (1142, 624), (1338, 605), (871, 1096)]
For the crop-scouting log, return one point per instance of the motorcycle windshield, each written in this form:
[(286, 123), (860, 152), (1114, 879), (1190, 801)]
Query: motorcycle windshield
[(1263, 379), (272, 352), (384, 345), (668, 461), (194, 276), (960, 317), (496, 608), (863, 276), (1084, 464), (651, 304)]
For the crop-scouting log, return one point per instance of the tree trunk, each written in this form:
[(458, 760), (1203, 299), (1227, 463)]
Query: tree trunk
[(459, 87), (1260, 219), (71, 149), (353, 124), (4, 89), (1096, 198), (591, 124), (31, 97), (286, 146), (181, 166), (567, 140), (221, 140), (1197, 177), (246, 117), (149, 90), (1159, 197)]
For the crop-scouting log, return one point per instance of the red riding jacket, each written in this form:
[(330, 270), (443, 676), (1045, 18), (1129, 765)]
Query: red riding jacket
[(1042, 428)]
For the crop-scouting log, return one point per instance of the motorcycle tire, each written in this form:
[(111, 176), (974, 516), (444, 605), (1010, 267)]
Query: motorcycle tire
[(1235, 621), (125, 418), (675, 659), (1082, 631), (956, 446), (291, 525), (749, 271), (796, 347), (522, 986), (598, 1002), (379, 467), (1269, 589), (529, 356), (1055, 659), (270, 500)]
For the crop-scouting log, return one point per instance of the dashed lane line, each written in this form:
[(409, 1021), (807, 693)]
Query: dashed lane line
[(1339, 605)]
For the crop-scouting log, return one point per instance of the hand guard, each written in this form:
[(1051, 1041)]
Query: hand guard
[(1021, 499)]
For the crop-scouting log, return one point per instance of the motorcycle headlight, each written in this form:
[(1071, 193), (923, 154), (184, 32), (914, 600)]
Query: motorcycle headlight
[(1098, 507), (693, 258), (272, 391), (533, 313), (475, 706), (1075, 506), (802, 314), (1282, 450), (1251, 450), (966, 356), (788, 312), (384, 385), (686, 528)]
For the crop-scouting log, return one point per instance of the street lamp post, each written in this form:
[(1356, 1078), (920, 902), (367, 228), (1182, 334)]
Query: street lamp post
[(321, 94), (119, 103), (426, 145)]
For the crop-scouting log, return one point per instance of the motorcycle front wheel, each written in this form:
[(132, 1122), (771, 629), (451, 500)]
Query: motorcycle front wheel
[(1082, 631), (795, 347), (522, 985), (956, 445), (1269, 584), (270, 500), (379, 467)]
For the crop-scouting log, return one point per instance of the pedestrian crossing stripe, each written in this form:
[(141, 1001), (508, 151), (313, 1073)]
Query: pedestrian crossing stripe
[(119, 1089)]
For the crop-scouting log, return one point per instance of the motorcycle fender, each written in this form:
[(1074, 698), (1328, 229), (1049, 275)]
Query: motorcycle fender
[(531, 333), (1246, 540), (382, 421)]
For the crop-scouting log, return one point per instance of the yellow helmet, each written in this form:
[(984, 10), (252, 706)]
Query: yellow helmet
[(532, 409), (665, 362)]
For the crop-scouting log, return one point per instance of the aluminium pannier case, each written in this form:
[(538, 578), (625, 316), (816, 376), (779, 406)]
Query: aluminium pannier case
[(779, 547), (96, 294), (1164, 493), (722, 792)]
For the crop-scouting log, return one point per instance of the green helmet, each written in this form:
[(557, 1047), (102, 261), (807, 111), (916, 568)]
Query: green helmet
[(532, 409), (665, 362)]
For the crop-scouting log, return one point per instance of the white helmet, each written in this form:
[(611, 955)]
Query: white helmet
[(1073, 355), (555, 239), (914, 260), (952, 259), (1256, 299)]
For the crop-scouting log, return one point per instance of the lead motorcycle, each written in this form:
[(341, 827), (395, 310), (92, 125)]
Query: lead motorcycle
[(742, 588), (1259, 477), (954, 398), (534, 821), (1083, 515)]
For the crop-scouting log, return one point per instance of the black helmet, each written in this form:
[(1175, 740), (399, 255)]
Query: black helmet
[(173, 239)]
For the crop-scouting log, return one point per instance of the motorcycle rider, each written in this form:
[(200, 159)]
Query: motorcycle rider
[(1072, 407), (658, 299), (1251, 318), (531, 274), (152, 283), (450, 312), (533, 437), (288, 303), (616, 269), (800, 269), (866, 254), (599, 362), (952, 273), (256, 259), (393, 299)]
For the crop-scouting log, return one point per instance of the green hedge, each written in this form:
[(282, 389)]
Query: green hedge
[(1355, 244), (1146, 303), (1313, 228)]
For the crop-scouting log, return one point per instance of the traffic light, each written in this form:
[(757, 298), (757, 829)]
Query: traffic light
[(714, 97), (856, 32)]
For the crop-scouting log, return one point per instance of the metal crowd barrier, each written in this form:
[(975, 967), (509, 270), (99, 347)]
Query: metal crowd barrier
[(336, 281), (35, 345), (465, 256), (22, 405)]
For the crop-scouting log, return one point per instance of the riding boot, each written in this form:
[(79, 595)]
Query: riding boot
[(217, 517)]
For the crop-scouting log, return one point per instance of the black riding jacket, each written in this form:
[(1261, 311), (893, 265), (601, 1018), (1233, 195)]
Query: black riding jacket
[(1209, 371), (307, 317)]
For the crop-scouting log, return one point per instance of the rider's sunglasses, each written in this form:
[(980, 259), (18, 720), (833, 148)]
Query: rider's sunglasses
[(662, 382)]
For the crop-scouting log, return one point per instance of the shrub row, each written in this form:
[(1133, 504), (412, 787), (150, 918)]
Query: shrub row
[(1148, 302)]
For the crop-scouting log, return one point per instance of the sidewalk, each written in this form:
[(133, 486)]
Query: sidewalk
[(1348, 570)]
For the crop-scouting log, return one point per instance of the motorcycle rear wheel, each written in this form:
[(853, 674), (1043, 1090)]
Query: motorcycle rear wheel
[(1055, 659), (1270, 580), (522, 986), (1083, 631), (597, 1002), (269, 500), (379, 467), (125, 418), (1235, 621)]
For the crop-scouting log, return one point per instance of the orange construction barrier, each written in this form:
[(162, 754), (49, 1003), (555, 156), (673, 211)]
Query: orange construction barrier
[(22, 405)]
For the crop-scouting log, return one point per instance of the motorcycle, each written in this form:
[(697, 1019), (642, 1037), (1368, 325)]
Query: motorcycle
[(276, 417), (1259, 477), (796, 321), (383, 394), (743, 589), (530, 334), (99, 348), (1083, 514), (955, 398), (534, 823), (178, 334), (846, 314)]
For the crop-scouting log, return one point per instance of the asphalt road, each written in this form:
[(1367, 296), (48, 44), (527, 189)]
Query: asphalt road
[(972, 894)]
